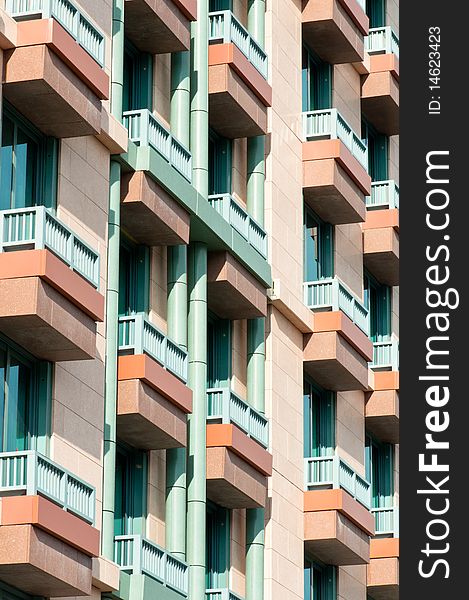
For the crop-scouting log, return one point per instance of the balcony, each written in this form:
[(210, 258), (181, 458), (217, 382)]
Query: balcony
[(383, 570), (336, 29), (335, 168), (386, 522), (337, 520), (240, 220), (160, 26), (47, 538), (381, 245), (55, 75), (384, 195), (153, 400), (237, 79), (49, 303), (149, 214), (382, 406), (386, 355), (238, 463), (148, 571), (382, 40), (222, 594)]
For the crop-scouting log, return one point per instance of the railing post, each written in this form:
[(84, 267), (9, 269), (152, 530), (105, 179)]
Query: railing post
[(31, 473), (226, 26), (226, 405), (164, 561), (334, 118), (138, 333), (40, 228), (2, 230), (335, 294), (388, 40), (164, 352), (144, 129), (335, 472), (137, 554)]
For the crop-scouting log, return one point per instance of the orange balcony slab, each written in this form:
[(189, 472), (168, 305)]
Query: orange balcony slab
[(380, 93), (43, 549), (334, 182), (237, 89), (383, 570), (233, 293), (152, 404), (159, 26), (381, 245), (382, 415), (150, 215), (335, 29), (53, 82), (336, 355), (385, 380), (48, 308), (237, 468), (337, 528)]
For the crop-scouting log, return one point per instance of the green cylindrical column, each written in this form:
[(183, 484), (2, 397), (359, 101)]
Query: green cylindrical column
[(256, 364), (256, 178), (196, 468), (112, 293), (180, 96), (256, 20)]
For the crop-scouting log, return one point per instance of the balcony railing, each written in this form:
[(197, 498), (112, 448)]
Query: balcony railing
[(329, 124), (221, 594), (331, 472), (138, 336), (225, 406), (36, 228), (386, 355), (240, 220), (384, 194), (68, 15), (331, 294), (137, 555), (386, 521), (28, 472), (382, 40), (225, 28), (145, 129)]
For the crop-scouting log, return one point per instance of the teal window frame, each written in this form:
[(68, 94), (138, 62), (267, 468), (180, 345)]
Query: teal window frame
[(25, 400), (320, 581), (376, 12), (379, 471), (216, 5), (318, 247), (217, 546), (316, 82), (219, 352), (220, 164), (378, 301), (134, 278), (138, 79), (28, 164), (319, 420), (378, 152), (131, 490)]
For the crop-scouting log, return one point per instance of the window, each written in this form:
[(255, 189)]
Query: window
[(316, 83), (219, 164), (28, 172), (216, 5), (377, 152), (379, 469), (9, 593), (318, 247), (376, 11), (134, 278), (219, 352), (25, 401), (378, 302), (319, 581), (318, 421), (217, 547), (138, 79), (130, 500)]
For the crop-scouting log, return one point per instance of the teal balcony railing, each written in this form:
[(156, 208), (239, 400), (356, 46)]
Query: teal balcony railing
[(386, 521), (36, 228), (28, 472), (332, 294), (240, 220), (136, 555), (145, 130), (225, 28), (386, 355), (68, 15), (224, 406), (222, 594), (138, 336), (331, 472), (384, 194), (382, 40), (329, 124)]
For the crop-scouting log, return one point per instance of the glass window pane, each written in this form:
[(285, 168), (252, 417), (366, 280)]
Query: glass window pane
[(26, 170), (311, 250), (19, 384), (3, 359), (6, 164)]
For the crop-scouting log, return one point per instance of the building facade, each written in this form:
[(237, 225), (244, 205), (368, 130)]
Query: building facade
[(199, 249)]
